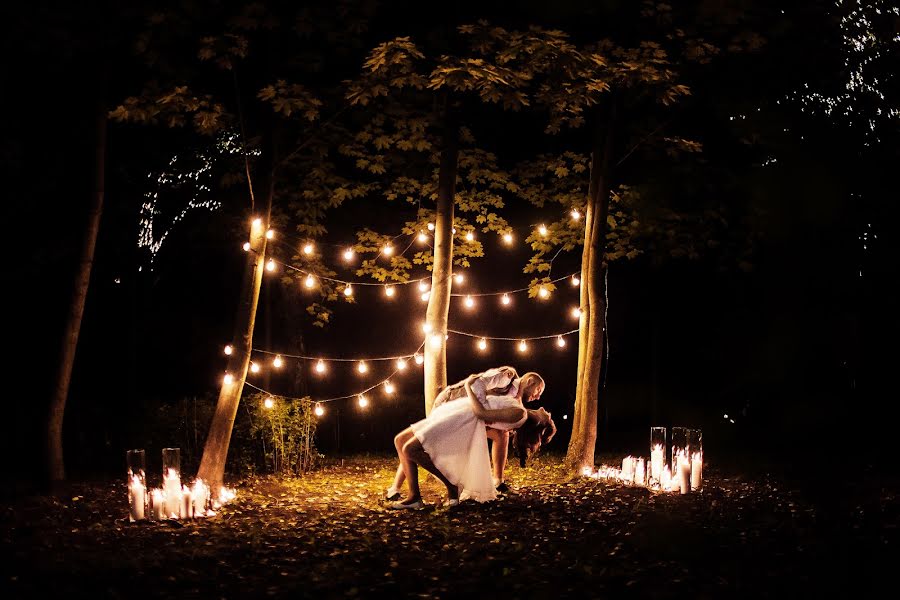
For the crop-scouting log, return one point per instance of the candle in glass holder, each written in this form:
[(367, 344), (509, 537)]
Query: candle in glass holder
[(157, 505), (628, 469), (665, 479), (137, 498), (696, 470), (640, 472), (200, 494), (187, 503), (684, 476), (657, 454), (172, 489)]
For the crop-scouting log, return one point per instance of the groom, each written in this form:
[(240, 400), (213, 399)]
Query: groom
[(497, 381)]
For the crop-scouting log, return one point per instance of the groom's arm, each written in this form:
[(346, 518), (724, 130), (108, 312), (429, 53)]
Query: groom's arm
[(492, 378)]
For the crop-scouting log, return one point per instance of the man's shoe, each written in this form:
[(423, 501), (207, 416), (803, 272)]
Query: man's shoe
[(451, 502), (502, 488), (401, 506)]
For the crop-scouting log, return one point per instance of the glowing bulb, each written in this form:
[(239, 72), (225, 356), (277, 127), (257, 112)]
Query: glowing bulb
[(469, 302), (387, 250), (575, 280), (523, 346), (543, 292), (246, 246), (348, 254), (505, 299), (388, 388), (363, 401), (269, 403), (425, 296), (270, 266), (423, 237), (320, 367), (270, 234), (228, 350), (257, 222), (348, 291), (575, 214), (482, 344), (228, 378), (507, 237), (401, 364), (436, 341), (426, 327), (576, 312), (459, 278), (308, 249), (419, 359), (389, 290), (254, 368), (542, 229), (470, 236), (423, 287), (310, 281), (431, 227), (277, 362), (560, 341), (362, 367), (319, 410)]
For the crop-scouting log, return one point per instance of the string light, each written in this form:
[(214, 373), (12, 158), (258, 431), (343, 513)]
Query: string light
[(257, 222), (469, 302), (542, 230), (436, 341), (575, 280), (426, 296), (228, 379), (401, 364), (270, 266), (508, 238), (228, 350), (431, 227), (523, 346), (388, 388), (310, 281), (459, 278), (348, 254), (308, 249), (543, 292), (362, 401), (426, 327), (505, 299), (270, 234), (419, 359), (423, 237), (246, 246), (560, 341), (269, 403), (387, 250), (362, 367), (423, 286), (348, 291), (576, 312), (320, 366), (277, 362), (470, 236), (389, 291), (319, 410), (254, 368), (575, 214), (482, 344)]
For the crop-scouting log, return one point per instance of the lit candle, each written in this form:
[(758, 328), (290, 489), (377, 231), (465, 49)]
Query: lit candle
[(684, 476), (200, 495), (158, 502), (656, 461), (640, 472), (187, 503), (696, 470), (628, 469), (172, 489), (665, 481), (136, 499)]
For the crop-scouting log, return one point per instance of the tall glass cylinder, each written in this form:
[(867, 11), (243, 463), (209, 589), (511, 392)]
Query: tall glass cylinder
[(137, 485), (171, 461), (695, 447), (657, 453), (679, 448)]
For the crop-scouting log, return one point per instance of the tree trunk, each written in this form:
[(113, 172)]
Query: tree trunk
[(55, 464), (592, 303), (215, 452), (439, 300)]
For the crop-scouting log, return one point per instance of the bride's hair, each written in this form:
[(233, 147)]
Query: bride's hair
[(528, 438)]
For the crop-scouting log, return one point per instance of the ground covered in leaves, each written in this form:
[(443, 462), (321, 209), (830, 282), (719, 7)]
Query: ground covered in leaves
[(329, 535)]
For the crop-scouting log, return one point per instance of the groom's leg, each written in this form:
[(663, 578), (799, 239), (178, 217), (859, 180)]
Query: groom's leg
[(414, 451)]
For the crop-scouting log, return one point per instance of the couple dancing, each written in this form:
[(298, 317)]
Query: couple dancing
[(451, 442)]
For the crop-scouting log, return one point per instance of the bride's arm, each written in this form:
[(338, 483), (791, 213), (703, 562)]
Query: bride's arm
[(500, 415)]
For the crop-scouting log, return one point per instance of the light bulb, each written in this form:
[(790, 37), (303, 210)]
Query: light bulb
[(459, 278), (507, 237), (363, 401), (575, 214), (389, 290), (387, 250), (505, 299), (228, 350), (423, 286), (543, 292), (401, 364), (388, 387), (270, 266), (277, 362), (426, 327), (542, 229), (470, 236), (246, 246), (469, 302), (523, 346), (425, 296), (423, 237), (431, 227), (575, 280), (257, 222), (453, 231), (560, 341), (482, 344), (228, 378), (348, 291), (254, 368), (348, 254), (320, 410), (269, 403), (436, 341), (419, 359), (310, 281), (576, 312), (320, 367), (308, 249), (362, 367), (270, 234)]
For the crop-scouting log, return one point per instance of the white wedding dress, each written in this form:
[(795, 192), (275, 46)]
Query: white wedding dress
[(455, 440)]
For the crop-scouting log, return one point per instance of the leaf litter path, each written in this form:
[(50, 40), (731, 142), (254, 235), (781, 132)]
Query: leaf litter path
[(329, 535)]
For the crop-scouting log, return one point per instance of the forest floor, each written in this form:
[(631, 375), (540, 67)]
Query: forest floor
[(329, 535)]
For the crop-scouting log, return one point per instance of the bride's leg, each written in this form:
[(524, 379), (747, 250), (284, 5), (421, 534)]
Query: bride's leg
[(414, 451), (407, 467)]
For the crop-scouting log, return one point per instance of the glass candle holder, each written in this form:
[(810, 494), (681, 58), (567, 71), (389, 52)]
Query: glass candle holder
[(657, 454), (137, 485), (679, 448), (171, 461), (695, 449)]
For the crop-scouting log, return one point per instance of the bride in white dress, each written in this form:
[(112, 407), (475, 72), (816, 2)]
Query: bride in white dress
[(451, 443)]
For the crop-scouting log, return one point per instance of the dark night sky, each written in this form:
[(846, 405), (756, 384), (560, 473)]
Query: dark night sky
[(798, 349)]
